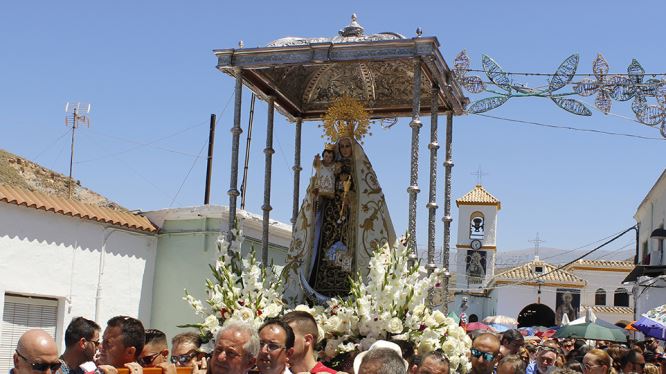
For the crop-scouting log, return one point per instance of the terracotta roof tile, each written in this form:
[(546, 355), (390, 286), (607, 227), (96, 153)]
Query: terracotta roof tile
[(526, 273), (603, 264), (58, 205), (478, 196)]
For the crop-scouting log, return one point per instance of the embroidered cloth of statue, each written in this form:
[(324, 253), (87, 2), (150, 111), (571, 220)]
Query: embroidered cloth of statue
[(335, 235)]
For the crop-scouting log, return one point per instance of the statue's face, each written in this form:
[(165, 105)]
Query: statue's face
[(345, 147)]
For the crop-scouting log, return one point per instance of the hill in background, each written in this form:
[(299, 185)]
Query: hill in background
[(16, 171)]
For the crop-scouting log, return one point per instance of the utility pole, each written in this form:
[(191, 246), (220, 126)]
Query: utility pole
[(209, 165), (75, 115)]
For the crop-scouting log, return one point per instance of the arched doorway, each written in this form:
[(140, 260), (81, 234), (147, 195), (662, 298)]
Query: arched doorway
[(536, 315)]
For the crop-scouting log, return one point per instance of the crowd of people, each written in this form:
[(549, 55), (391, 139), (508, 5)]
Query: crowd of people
[(289, 345)]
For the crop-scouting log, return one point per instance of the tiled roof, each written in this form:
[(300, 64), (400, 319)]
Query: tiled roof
[(478, 196), (603, 264), (610, 309), (59, 205), (526, 274)]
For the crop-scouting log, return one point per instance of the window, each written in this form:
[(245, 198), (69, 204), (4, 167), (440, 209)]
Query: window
[(476, 226), (621, 297), (19, 315), (600, 297)]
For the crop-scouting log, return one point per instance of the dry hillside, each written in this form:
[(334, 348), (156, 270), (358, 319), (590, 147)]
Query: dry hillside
[(19, 172)]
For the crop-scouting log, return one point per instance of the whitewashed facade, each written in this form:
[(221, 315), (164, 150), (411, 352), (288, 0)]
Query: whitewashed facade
[(68, 266)]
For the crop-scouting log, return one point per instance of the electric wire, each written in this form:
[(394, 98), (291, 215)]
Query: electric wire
[(562, 127), (141, 145), (653, 75), (521, 282), (51, 145), (194, 162)]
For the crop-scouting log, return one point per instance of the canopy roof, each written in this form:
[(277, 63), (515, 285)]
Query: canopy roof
[(306, 75)]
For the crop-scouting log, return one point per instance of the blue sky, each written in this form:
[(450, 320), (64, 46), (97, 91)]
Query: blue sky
[(148, 70)]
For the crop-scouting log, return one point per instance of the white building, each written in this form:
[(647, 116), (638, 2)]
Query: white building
[(62, 259), (535, 293), (648, 278), (185, 249)]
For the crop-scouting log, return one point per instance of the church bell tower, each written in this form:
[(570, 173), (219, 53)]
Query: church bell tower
[(476, 246)]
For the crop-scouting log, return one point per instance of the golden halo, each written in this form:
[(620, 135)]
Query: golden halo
[(346, 117)]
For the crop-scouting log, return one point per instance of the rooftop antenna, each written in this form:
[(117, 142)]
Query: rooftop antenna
[(76, 114), (537, 243)]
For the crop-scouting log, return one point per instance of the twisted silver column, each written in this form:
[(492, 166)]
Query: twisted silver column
[(268, 151), (413, 188)]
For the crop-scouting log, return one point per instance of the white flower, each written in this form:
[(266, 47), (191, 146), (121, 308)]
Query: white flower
[(346, 347), (244, 314), (439, 317), (272, 310), (395, 326), (211, 323)]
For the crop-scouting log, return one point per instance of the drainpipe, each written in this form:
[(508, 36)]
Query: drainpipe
[(98, 295)]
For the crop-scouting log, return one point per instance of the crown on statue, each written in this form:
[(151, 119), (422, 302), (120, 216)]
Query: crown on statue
[(329, 147), (346, 117)]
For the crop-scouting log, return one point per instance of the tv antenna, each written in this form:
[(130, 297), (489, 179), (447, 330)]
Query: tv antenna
[(76, 115)]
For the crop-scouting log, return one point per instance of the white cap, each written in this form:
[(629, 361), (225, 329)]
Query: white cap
[(376, 345)]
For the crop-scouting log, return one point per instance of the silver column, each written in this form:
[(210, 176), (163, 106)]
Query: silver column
[(432, 196), (297, 170), (413, 188), (268, 151), (235, 131), (448, 165)]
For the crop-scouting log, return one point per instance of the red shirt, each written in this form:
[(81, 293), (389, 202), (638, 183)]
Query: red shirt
[(319, 368)]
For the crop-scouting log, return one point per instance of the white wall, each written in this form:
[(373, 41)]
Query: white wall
[(52, 255), (512, 299), (651, 214)]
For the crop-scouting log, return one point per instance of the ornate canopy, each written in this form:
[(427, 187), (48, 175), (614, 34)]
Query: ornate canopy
[(305, 75)]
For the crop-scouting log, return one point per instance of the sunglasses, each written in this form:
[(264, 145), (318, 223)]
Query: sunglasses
[(147, 360), (487, 356), (183, 359), (41, 366)]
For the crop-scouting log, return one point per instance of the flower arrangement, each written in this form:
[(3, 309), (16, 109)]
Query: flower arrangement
[(241, 290), (392, 304)]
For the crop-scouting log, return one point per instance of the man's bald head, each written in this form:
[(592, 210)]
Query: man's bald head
[(34, 347)]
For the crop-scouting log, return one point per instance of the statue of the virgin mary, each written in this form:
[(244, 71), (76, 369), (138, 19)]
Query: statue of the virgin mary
[(336, 233)]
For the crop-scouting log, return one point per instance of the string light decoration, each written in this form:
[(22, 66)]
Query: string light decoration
[(649, 95), (346, 117)]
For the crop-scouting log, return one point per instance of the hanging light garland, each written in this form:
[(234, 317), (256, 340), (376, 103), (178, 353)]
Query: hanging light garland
[(649, 95)]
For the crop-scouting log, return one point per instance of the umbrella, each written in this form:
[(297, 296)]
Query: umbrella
[(501, 320), (653, 323), (478, 326), (591, 331), (630, 326), (546, 334), (650, 327), (499, 328)]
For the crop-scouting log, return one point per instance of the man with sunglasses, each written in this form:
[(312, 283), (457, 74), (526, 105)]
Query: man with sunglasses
[(81, 342), (36, 351), (485, 353), (276, 345), (185, 351), (545, 358), (155, 350)]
